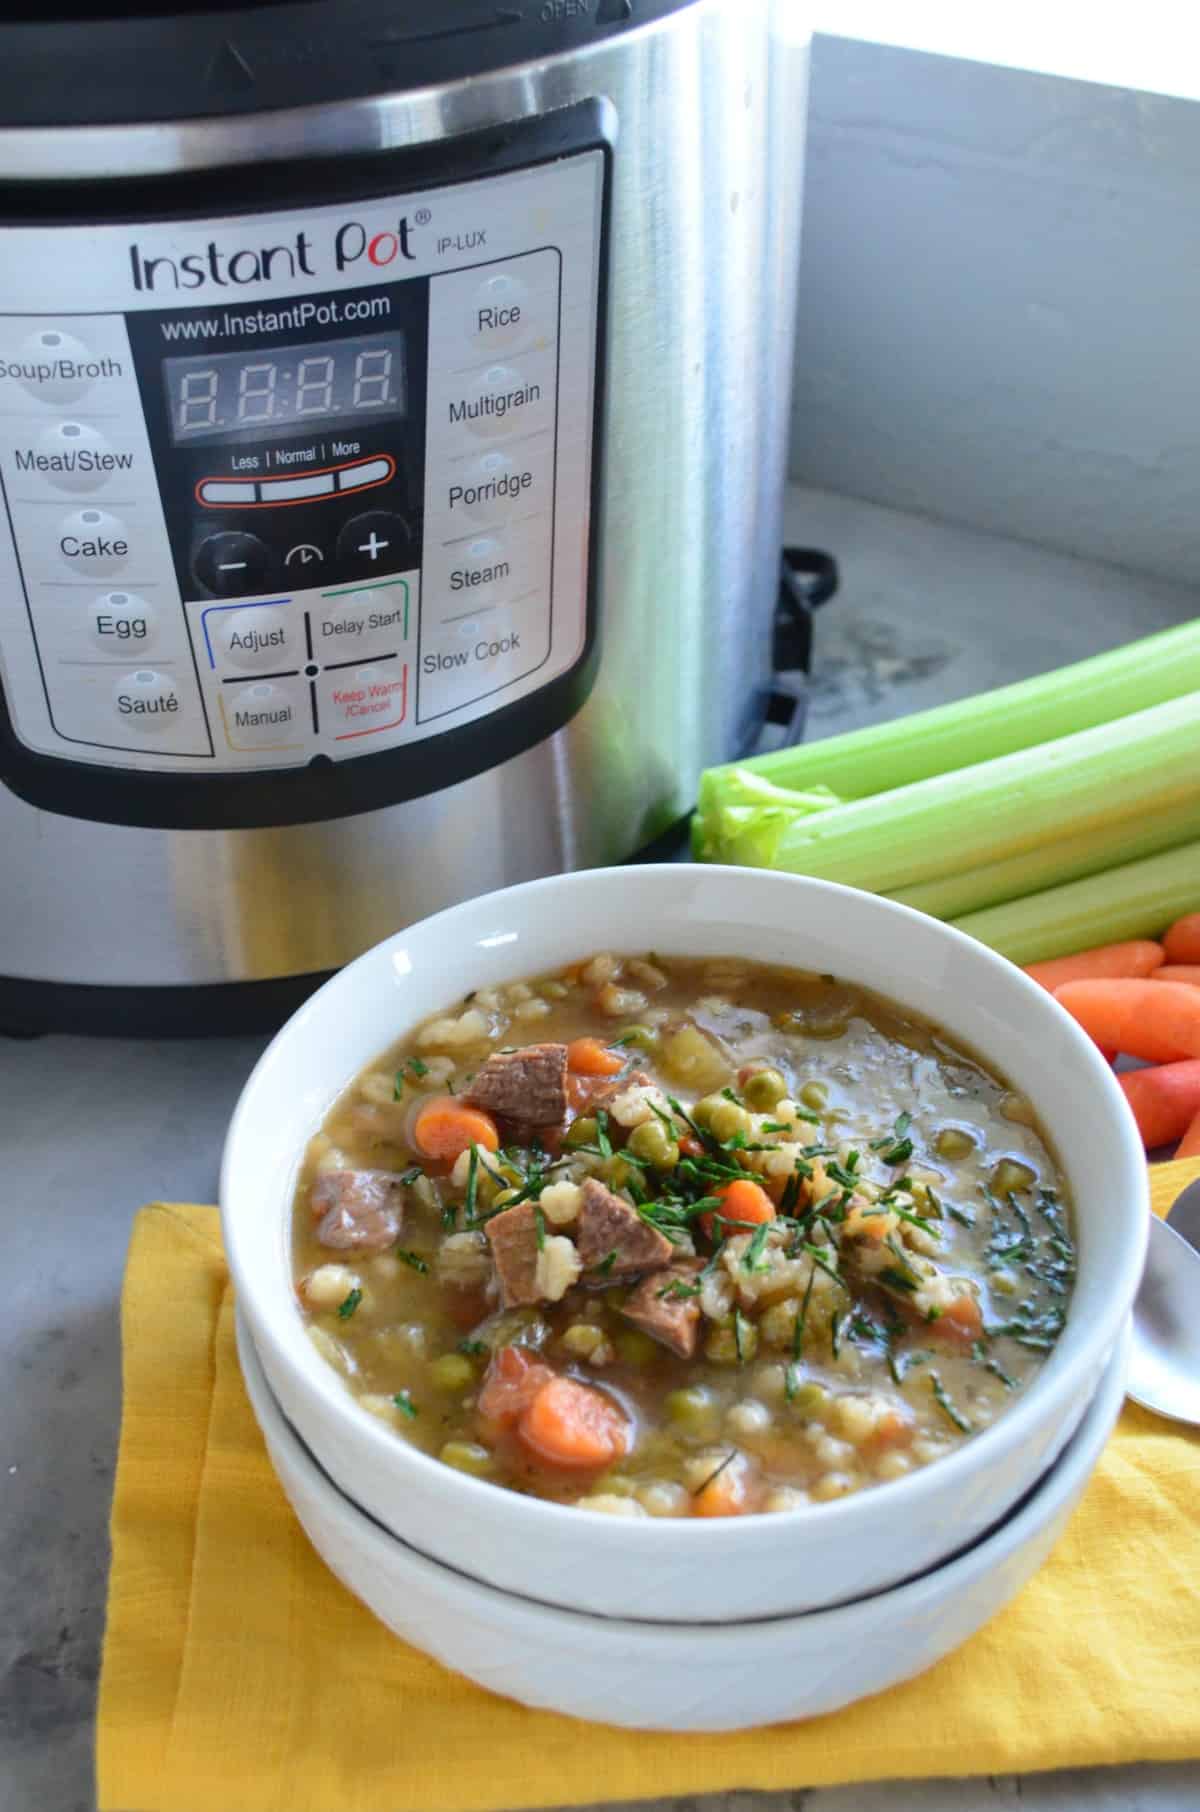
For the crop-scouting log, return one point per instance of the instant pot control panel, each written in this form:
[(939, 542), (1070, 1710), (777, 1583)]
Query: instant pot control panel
[(296, 489)]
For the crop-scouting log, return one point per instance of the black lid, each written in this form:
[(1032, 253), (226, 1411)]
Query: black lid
[(60, 65)]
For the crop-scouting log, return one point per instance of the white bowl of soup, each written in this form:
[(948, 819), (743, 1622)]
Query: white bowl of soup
[(685, 1244)]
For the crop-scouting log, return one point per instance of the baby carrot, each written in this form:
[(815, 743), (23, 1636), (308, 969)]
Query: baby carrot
[(1141, 956), (445, 1127), (1182, 942), (1188, 973), (1189, 1145), (1159, 1021), (1165, 1100), (573, 1426), (588, 1057), (514, 1378), (742, 1201)]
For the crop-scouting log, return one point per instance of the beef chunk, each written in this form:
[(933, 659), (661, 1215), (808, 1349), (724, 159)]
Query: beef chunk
[(512, 1236), (359, 1210), (673, 1318), (528, 1087), (607, 1224)]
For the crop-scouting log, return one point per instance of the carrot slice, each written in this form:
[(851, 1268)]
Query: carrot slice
[(572, 1426), (1186, 973), (961, 1319), (514, 1378), (1189, 1145), (742, 1201), (1159, 1021), (731, 1491), (1182, 942), (588, 1057), (1165, 1100), (1107, 962), (445, 1127)]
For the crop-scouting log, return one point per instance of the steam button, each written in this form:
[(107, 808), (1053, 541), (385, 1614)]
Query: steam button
[(120, 619), (233, 565)]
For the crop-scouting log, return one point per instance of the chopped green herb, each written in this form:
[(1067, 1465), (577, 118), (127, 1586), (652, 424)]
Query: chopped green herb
[(753, 1259), (348, 1305), (896, 1147), (413, 1259), (678, 1291), (802, 1317), (960, 1215), (818, 1258), (947, 1405), (408, 1177), (405, 1404), (606, 1264), (416, 1067), (740, 1324), (470, 1201), (835, 1336), (474, 1349), (539, 1223), (604, 1143), (897, 1279)]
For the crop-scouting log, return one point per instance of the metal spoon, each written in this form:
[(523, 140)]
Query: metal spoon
[(1164, 1365)]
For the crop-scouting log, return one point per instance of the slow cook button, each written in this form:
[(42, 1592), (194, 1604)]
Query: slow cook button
[(120, 619), (147, 701), (257, 636), (270, 714), (363, 700), (93, 542), (370, 622)]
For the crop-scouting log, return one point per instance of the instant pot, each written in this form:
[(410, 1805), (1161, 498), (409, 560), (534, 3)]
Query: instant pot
[(392, 425)]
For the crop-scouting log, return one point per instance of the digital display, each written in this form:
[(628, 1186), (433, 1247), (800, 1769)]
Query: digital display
[(288, 387)]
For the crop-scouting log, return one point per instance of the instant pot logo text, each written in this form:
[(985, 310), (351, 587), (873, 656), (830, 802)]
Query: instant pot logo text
[(223, 267)]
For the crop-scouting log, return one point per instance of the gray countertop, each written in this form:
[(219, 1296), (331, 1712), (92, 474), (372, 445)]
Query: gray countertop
[(91, 1128)]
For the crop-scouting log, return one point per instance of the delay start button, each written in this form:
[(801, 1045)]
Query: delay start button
[(359, 625), (147, 701)]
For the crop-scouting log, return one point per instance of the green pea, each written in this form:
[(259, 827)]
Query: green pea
[(614, 1485), (652, 1142), (727, 1119), (636, 1348), (702, 1113), (503, 1198), (642, 1038), (616, 1171), (468, 1456), (452, 1372), (581, 1132), (954, 1142), (732, 1346), (693, 1409), (764, 1090), (810, 1399), (1009, 1177), (814, 1095)]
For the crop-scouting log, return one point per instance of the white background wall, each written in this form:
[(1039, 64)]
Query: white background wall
[(1000, 302)]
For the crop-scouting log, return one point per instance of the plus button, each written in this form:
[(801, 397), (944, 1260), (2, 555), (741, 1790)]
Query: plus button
[(377, 541), (372, 547)]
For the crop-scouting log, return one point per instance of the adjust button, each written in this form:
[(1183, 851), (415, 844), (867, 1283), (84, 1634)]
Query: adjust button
[(232, 565), (260, 636), (376, 542)]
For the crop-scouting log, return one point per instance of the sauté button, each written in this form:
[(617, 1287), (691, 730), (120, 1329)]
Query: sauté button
[(259, 636), (147, 701), (58, 368), (93, 542), (74, 457), (231, 564), (376, 542), (120, 619)]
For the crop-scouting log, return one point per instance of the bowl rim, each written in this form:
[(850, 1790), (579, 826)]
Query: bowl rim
[(1072, 1467), (714, 1539)]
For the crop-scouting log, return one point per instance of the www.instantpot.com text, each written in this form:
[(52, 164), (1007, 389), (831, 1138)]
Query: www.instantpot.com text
[(326, 313)]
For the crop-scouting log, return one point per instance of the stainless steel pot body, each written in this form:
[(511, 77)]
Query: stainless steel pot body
[(708, 108)]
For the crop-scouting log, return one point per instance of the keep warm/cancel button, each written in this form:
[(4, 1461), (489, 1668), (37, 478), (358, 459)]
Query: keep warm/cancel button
[(363, 700)]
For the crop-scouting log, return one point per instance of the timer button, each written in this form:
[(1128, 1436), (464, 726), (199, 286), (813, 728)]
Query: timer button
[(78, 458), (147, 701), (232, 565), (93, 542), (376, 542), (120, 619)]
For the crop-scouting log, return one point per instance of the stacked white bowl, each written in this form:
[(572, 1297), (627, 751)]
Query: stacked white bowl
[(833, 1571)]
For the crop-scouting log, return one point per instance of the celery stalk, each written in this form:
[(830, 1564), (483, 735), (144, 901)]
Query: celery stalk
[(1139, 899), (991, 724), (1070, 858), (1075, 786)]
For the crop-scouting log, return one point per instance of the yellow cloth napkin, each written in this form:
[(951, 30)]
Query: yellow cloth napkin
[(239, 1676)]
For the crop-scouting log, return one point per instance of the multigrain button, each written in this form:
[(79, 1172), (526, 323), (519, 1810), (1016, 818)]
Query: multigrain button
[(496, 403), (148, 701), (120, 620), (260, 636), (93, 542)]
